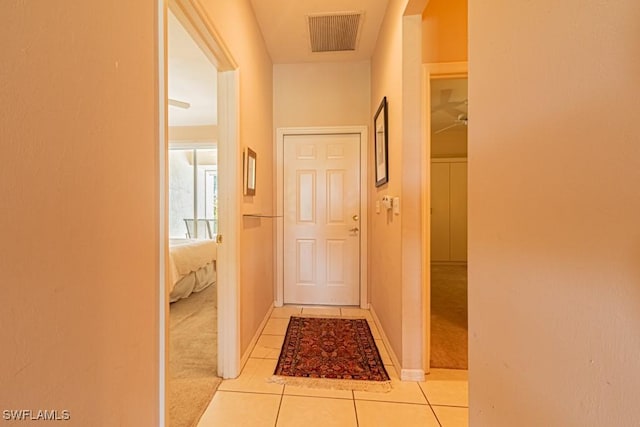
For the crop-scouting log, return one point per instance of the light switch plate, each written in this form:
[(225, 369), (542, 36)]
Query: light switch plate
[(377, 206), (396, 205)]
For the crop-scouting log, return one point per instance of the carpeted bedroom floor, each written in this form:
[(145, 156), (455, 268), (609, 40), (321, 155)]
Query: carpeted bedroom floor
[(449, 333), (193, 353)]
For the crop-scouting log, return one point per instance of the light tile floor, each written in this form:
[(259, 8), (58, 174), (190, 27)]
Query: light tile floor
[(251, 401)]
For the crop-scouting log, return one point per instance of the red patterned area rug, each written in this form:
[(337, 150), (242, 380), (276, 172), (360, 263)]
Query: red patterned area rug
[(332, 353)]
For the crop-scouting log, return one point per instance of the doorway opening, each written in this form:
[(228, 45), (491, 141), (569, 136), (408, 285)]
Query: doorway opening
[(444, 216), (192, 263), (199, 202), (449, 323)]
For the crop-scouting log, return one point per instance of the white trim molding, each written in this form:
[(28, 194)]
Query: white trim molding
[(196, 21), (412, 375), (403, 374), (229, 205), (446, 70), (279, 165), (394, 359)]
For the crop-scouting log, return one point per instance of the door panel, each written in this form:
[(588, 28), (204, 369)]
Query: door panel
[(306, 196), (335, 197), (335, 266), (306, 261), (458, 214), (440, 242), (449, 211), (321, 200)]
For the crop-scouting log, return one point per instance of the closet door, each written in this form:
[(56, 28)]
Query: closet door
[(458, 210), (440, 239)]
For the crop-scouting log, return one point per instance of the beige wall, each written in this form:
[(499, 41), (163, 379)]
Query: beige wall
[(554, 203), (452, 143), (394, 240), (80, 240), (385, 242), (200, 134), (322, 94), (444, 31), (238, 27), (79, 225)]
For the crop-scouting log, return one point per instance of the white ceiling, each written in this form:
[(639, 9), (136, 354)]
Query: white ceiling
[(284, 27), (283, 23), (191, 77)]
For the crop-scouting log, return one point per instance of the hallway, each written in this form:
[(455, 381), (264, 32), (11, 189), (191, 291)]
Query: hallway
[(250, 400)]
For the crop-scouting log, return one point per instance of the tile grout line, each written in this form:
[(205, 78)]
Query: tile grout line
[(430, 406), (279, 406), (319, 397), (392, 401), (435, 415), (450, 406), (355, 408), (247, 392)]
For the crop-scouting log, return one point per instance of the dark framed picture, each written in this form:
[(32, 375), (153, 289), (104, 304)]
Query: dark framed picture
[(381, 140)]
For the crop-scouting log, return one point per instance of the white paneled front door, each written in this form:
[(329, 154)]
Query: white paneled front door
[(322, 219)]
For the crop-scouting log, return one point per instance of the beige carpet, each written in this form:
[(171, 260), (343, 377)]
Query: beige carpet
[(449, 333), (193, 353)]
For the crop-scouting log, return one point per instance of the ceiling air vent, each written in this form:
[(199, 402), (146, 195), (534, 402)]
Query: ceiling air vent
[(334, 32)]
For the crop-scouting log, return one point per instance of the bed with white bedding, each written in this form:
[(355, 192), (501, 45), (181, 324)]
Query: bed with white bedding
[(192, 266)]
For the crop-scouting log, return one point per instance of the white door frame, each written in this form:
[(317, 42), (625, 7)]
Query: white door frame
[(196, 22), (335, 130), (440, 70)]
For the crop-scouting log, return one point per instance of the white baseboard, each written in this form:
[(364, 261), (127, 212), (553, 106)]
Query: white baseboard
[(385, 340), (412, 375), (255, 338), (403, 374)]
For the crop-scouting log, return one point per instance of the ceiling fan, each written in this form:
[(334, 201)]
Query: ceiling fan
[(461, 120), (456, 109), (448, 106), (179, 104)]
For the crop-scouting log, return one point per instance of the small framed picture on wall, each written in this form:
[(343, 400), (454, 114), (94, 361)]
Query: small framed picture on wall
[(250, 160)]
